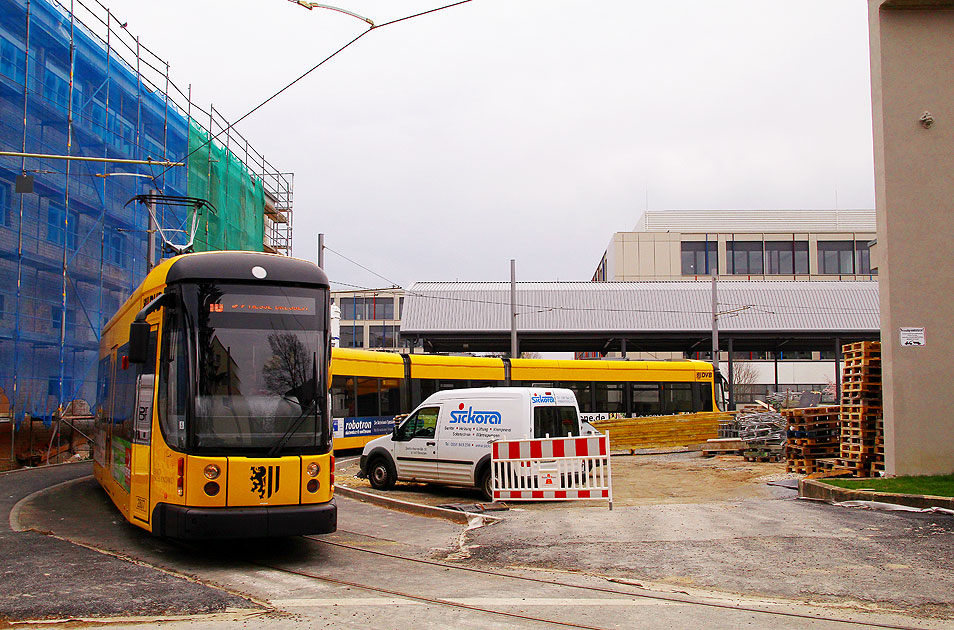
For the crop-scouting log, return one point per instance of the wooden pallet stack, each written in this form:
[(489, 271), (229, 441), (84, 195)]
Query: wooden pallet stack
[(813, 434), (631, 434), (862, 428)]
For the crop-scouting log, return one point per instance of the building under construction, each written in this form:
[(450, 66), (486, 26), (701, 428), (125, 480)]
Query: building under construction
[(89, 120)]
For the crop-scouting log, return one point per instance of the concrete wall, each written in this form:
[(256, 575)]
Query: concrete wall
[(912, 62)]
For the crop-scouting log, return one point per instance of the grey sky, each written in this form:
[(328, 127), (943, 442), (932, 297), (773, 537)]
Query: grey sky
[(441, 147)]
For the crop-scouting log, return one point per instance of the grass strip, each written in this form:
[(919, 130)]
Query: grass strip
[(938, 485)]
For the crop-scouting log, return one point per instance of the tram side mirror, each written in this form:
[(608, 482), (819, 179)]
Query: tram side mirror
[(138, 342)]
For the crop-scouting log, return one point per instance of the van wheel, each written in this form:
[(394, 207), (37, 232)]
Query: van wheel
[(487, 484), (381, 474)]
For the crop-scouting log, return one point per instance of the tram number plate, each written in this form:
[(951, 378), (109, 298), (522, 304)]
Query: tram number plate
[(141, 504)]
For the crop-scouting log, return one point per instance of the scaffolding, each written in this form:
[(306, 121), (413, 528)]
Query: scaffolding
[(76, 83)]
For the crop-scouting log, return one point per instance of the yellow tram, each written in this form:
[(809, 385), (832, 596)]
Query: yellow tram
[(212, 416), (369, 388)]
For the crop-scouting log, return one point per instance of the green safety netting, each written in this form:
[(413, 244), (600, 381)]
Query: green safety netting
[(217, 175)]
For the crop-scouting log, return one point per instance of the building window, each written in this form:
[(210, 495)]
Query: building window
[(352, 336), (4, 204), (382, 336), (123, 135), (352, 308), (56, 87), (12, 61), (55, 217), (786, 257), (699, 258), (116, 249), (835, 257), (380, 307), (863, 258), (745, 257), (98, 118), (795, 355), (600, 274)]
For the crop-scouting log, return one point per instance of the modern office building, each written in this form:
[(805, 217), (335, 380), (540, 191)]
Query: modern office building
[(73, 241), (750, 245), (371, 318), (742, 245)]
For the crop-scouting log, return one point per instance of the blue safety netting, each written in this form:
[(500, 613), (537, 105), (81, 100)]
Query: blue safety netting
[(74, 234)]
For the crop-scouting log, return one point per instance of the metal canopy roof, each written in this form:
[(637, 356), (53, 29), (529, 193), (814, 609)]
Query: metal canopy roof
[(650, 316)]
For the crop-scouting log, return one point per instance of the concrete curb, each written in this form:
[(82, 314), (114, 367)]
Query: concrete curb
[(818, 490), (464, 518), (18, 506)]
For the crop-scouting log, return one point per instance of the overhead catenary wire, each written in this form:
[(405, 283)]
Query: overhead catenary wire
[(540, 308), (373, 27)]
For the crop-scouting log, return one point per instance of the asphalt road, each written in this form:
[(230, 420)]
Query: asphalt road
[(47, 577), (782, 548), (775, 563)]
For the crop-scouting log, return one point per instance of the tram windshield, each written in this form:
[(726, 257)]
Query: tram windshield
[(260, 369)]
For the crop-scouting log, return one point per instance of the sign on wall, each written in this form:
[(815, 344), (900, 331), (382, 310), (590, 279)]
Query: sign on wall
[(912, 336)]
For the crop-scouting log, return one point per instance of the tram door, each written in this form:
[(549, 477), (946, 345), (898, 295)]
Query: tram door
[(142, 432)]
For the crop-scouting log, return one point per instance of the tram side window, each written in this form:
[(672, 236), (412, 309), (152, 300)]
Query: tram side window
[(367, 396), (677, 397), (125, 395), (646, 399), (705, 396), (609, 398), (102, 407), (391, 396), (102, 388), (173, 383), (431, 385), (421, 388), (342, 397), (427, 386), (582, 393)]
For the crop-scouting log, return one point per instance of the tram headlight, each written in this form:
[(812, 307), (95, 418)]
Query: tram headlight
[(212, 471), (313, 469), (313, 485), (211, 488)]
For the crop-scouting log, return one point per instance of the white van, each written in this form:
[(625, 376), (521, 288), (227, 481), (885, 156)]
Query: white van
[(447, 438)]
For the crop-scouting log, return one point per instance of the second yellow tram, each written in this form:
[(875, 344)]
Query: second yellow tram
[(369, 388)]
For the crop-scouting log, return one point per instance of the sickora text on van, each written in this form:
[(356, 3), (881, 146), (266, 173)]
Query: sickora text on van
[(448, 438)]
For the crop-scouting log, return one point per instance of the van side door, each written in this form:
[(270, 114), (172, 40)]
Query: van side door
[(415, 445), (467, 431)]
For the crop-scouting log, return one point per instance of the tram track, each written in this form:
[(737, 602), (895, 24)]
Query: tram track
[(612, 595)]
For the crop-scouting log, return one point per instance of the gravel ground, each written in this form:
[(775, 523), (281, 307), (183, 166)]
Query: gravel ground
[(652, 479)]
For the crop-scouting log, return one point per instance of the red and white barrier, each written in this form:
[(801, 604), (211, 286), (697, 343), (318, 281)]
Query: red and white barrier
[(553, 469)]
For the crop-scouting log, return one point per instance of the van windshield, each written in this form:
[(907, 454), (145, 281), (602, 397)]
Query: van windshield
[(555, 422)]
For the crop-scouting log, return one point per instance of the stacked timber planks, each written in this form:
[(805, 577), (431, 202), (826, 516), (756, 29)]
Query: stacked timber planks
[(688, 429), (813, 434), (862, 425)]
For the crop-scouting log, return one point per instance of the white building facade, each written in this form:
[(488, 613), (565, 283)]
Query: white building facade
[(370, 319), (742, 245)]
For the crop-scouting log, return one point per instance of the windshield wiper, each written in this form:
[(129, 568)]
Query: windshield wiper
[(291, 430), (296, 424)]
